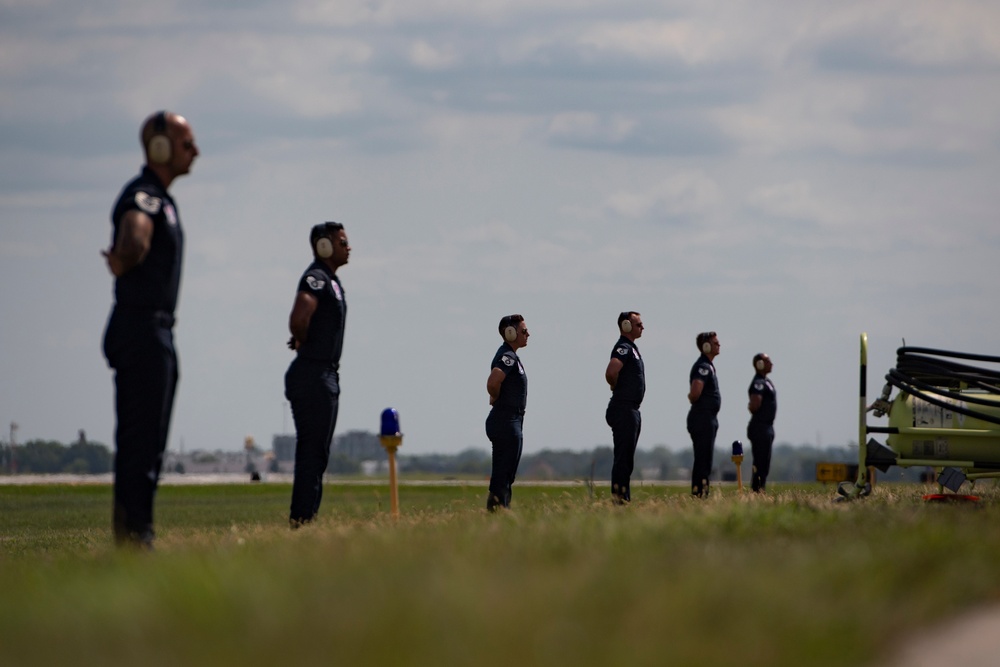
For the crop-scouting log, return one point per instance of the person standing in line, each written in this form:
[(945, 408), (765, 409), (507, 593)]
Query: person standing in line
[(763, 406), (702, 421), (312, 382), (626, 376), (507, 386), (145, 257)]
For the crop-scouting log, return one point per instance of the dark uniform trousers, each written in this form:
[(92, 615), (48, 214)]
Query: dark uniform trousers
[(139, 347), (313, 389), (761, 438), (702, 428), (504, 429), (625, 421)]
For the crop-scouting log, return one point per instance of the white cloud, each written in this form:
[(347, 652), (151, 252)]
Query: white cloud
[(425, 56), (681, 40), (690, 195), (591, 127), (793, 200), (920, 34)]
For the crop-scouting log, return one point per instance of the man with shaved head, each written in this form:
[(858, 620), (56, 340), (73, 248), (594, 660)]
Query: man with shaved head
[(145, 256)]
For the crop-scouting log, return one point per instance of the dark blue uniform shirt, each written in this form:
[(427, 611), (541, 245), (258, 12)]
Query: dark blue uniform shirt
[(153, 284), (631, 385), (514, 389), (711, 399), (768, 400), (325, 339)]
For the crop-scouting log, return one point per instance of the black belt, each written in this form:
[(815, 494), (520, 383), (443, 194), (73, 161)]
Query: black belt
[(320, 361), (164, 319), (159, 317), (509, 410)]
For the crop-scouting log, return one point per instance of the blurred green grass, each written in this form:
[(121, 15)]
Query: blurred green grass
[(790, 578)]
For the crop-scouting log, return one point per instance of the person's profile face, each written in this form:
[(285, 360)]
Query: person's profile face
[(637, 326), (341, 248), (184, 149), (522, 334)]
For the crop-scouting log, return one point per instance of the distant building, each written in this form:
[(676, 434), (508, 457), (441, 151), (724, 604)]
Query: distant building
[(359, 446), (284, 448), (204, 462)]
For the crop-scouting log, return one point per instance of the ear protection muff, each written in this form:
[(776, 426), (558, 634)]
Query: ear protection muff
[(508, 327), (759, 364), (706, 347), (626, 324), (158, 148), (324, 237), (324, 247)]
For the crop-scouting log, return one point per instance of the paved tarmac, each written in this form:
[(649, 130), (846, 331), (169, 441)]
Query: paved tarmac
[(971, 639)]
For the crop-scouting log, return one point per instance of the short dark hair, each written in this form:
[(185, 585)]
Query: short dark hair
[(626, 315), (705, 337), (157, 123), (327, 229), (509, 321)]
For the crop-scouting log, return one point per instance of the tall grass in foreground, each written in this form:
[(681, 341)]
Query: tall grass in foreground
[(785, 579)]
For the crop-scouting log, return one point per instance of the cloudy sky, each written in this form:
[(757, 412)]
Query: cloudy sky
[(789, 174)]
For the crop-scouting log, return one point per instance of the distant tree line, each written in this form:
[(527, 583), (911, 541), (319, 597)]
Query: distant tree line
[(788, 463), (49, 456)]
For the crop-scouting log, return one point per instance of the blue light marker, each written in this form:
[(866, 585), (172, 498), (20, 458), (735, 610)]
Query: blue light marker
[(391, 439), (390, 422), (738, 461)]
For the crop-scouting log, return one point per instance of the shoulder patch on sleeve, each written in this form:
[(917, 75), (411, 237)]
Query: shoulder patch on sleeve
[(314, 283), (507, 361), (703, 371), (147, 202), (621, 351), (759, 386)]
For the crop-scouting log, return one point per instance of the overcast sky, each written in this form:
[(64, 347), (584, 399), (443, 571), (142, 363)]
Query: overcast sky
[(789, 174)]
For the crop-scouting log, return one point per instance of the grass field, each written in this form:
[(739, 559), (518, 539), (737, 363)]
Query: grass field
[(564, 579)]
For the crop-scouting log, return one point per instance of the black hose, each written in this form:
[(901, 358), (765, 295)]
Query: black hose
[(933, 378), (947, 353), (914, 361), (920, 385)]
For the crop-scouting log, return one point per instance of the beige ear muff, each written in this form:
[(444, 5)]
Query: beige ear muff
[(510, 334), (706, 347), (759, 364), (158, 148), (626, 326), (324, 247)]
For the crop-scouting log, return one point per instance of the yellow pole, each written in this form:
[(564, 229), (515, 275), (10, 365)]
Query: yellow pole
[(865, 474), (393, 486)]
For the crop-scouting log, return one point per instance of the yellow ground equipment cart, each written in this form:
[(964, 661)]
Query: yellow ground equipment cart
[(945, 415)]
